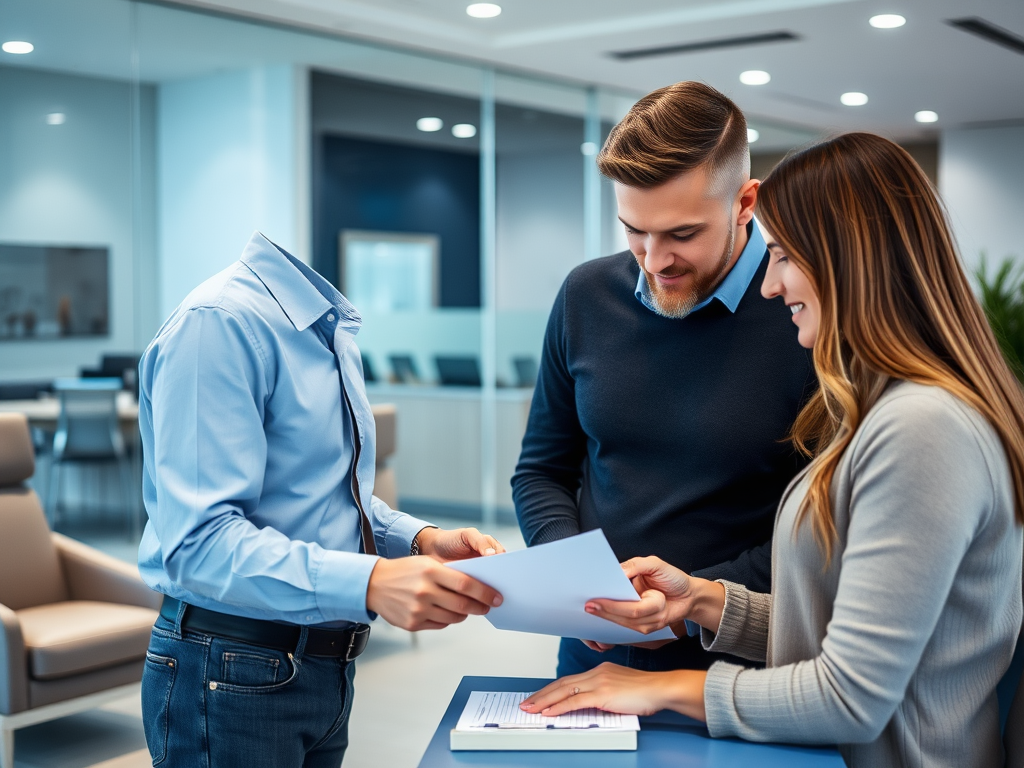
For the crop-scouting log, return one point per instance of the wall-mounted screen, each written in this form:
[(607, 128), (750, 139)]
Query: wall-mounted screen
[(53, 292), (389, 271)]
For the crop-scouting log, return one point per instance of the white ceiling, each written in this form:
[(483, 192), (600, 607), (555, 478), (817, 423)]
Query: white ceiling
[(926, 64)]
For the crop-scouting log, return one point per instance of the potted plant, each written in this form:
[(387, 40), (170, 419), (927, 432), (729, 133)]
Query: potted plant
[(1002, 298)]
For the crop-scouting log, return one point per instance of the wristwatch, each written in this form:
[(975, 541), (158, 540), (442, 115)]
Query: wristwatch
[(415, 548)]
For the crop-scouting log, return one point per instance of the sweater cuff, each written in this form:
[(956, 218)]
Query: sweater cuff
[(743, 629), (719, 707)]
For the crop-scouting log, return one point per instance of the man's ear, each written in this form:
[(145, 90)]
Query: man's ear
[(745, 201)]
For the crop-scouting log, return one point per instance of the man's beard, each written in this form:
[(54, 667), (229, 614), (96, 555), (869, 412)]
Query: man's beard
[(676, 306)]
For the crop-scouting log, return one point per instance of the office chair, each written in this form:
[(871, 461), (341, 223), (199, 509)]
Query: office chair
[(89, 432), (124, 367), (526, 371)]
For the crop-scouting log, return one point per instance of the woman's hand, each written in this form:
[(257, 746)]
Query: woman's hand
[(624, 690), (457, 544), (666, 597)]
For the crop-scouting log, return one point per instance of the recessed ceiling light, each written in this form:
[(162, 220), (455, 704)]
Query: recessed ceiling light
[(588, 148), (18, 46), (854, 99), (926, 116), (483, 10), (463, 130), (753, 135), (56, 118), (887, 21), (430, 124), (755, 77)]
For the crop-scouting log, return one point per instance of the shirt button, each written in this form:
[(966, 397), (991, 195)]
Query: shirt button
[(309, 618), (330, 318)]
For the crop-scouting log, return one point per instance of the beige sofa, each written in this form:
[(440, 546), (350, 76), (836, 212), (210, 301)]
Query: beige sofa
[(74, 623)]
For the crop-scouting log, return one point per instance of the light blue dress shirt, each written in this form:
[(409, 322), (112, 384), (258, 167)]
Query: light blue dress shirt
[(249, 449), (732, 289)]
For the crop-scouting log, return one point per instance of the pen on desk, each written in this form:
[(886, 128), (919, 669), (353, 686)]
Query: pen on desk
[(539, 726)]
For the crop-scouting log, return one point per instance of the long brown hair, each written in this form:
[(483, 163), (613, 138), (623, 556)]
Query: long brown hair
[(861, 219)]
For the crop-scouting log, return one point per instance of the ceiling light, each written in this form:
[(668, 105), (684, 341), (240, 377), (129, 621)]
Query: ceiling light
[(463, 130), (18, 46), (483, 10), (588, 148), (56, 118), (430, 124), (753, 135), (887, 21), (854, 99), (926, 116), (755, 77)]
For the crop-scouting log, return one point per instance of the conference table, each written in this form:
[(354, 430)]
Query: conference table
[(666, 740), (44, 412)]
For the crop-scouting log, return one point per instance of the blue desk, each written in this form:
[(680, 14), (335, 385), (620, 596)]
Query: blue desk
[(667, 740)]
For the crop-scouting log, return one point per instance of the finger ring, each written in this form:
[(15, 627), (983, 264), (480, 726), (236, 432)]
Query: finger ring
[(575, 691)]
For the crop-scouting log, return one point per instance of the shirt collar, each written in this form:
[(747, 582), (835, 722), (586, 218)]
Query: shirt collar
[(303, 294), (733, 288)]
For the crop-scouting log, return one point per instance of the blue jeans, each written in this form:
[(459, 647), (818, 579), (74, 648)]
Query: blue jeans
[(214, 703)]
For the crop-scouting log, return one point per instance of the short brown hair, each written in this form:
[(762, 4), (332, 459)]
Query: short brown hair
[(674, 130)]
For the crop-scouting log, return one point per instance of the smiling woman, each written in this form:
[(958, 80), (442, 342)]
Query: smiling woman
[(906, 527)]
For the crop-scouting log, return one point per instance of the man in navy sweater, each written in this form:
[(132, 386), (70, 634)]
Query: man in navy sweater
[(667, 385)]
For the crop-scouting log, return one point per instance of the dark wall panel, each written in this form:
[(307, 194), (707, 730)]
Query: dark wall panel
[(374, 185)]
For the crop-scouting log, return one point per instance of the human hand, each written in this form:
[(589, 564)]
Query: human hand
[(613, 688), (420, 593), (665, 597), (457, 544)]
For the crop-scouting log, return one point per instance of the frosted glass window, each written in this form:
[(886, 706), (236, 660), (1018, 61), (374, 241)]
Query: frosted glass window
[(389, 272)]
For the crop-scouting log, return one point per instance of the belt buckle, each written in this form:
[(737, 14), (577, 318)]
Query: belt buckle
[(351, 645)]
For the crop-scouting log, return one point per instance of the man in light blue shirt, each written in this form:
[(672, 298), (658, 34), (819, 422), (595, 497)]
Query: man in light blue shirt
[(264, 534)]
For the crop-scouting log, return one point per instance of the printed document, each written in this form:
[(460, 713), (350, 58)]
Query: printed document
[(487, 709), (545, 588)]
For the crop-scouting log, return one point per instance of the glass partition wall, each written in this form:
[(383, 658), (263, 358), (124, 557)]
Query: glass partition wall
[(447, 199)]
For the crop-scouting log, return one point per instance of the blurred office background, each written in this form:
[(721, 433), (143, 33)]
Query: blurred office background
[(438, 167)]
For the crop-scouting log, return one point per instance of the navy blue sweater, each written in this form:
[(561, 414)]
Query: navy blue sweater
[(668, 434)]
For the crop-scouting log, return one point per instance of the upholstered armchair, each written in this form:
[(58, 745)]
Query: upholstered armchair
[(74, 622)]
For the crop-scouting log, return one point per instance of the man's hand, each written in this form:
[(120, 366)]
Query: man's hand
[(420, 593), (459, 544)]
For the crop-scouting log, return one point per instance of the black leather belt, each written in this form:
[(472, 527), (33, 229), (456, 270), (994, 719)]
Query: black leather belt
[(340, 643)]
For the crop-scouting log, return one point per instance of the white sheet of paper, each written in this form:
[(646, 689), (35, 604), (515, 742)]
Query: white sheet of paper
[(545, 588), (493, 709)]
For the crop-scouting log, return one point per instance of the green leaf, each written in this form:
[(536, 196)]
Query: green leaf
[(1002, 298)]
